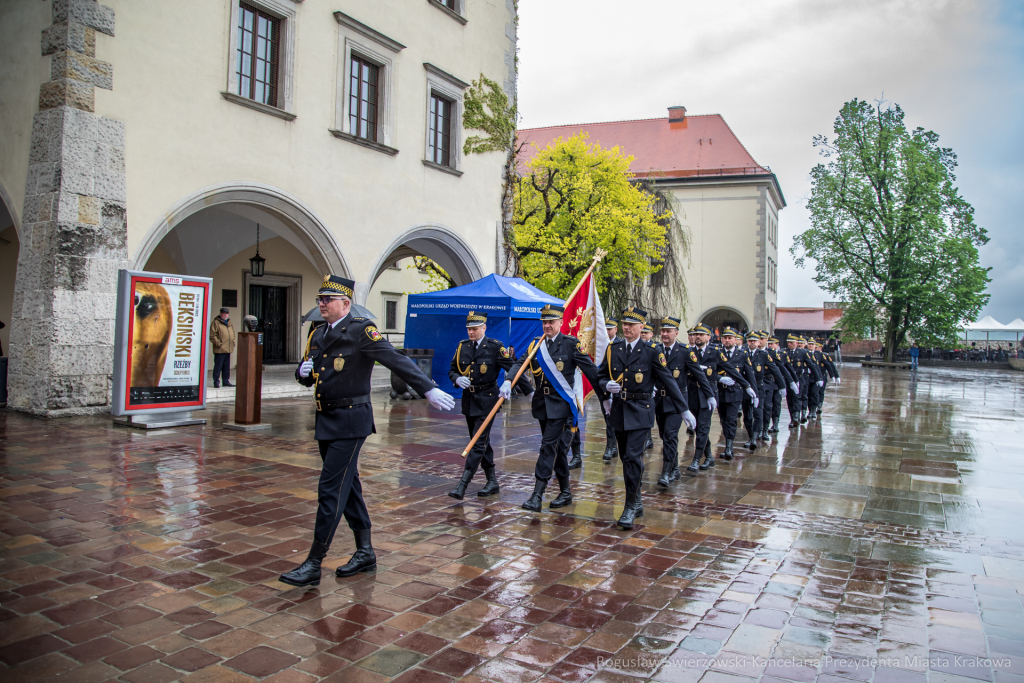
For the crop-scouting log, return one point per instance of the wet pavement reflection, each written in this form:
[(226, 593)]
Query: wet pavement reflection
[(882, 543)]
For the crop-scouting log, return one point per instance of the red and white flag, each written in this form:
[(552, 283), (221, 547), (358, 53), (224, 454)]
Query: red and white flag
[(584, 319)]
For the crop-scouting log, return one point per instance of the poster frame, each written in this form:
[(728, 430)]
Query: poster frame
[(122, 342)]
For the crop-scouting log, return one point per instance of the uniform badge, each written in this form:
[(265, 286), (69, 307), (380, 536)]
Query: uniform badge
[(639, 377), (693, 356), (664, 363), (373, 334), (758, 368), (483, 368), (504, 352), (339, 364), (675, 373), (709, 372), (559, 366)]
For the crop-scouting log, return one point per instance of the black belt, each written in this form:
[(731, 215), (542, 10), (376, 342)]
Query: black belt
[(473, 388), (342, 402), (635, 396)]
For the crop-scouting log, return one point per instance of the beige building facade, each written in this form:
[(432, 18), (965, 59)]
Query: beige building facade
[(725, 202), (158, 136)]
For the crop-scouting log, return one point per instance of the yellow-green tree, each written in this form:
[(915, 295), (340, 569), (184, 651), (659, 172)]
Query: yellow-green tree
[(575, 198)]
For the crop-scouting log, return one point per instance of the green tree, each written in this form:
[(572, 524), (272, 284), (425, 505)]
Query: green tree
[(438, 278), (890, 232), (576, 198)]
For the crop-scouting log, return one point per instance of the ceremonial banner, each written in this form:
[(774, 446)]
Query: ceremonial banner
[(160, 343), (584, 319)]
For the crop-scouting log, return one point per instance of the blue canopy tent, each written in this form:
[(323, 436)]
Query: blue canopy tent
[(437, 320)]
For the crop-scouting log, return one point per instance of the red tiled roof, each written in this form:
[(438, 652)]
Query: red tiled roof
[(819, 319), (693, 146)]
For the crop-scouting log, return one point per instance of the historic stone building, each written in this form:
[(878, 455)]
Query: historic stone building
[(728, 203), (157, 135)]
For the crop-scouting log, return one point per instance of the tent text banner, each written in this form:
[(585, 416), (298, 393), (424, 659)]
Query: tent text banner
[(160, 343)]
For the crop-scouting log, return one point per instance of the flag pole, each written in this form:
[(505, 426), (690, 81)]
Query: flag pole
[(598, 255)]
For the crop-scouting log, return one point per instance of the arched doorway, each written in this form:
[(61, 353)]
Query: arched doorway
[(213, 233), (10, 246), (722, 316), (391, 280)]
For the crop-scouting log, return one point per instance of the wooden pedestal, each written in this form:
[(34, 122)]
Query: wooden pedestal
[(248, 378)]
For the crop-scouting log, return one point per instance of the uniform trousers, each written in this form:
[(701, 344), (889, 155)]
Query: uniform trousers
[(339, 491), (577, 442), (813, 396), (805, 388), (793, 404), (777, 404), (767, 403), (703, 431), (556, 435), (752, 415), (631, 453), (482, 451), (668, 430), (728, 413)]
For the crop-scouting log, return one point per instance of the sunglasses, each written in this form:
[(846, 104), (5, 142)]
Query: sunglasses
[(326, 299)]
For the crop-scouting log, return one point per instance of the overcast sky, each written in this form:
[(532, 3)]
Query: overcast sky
[(779, 71)]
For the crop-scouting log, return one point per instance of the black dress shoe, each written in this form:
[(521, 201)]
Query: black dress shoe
[(794, 424), (216, 385), (491, 487), (774, 429), (564, 496), (228, 384), (576, 462), (727, 455), (459, 492), (675, 475), (689, 431), (307, 573), (628, 514), (666, 474), (610, 451), (364, 559), (709, 462), (694, 467), (752, 445), (536, 500), (649, 446)]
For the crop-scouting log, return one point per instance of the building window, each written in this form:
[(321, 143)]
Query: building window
[(439, 141), (259, 40), (362, 108), (390, 314)]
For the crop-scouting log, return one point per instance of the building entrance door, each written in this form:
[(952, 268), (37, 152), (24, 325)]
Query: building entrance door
[(270, 306)]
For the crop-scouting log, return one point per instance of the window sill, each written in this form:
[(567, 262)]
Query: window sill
[(363, 142), (258, 106), (442, 168), (454, 15)]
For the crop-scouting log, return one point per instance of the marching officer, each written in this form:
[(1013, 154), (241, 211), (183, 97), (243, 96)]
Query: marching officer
[(682, 363), (812, 376), (554, 412), (339, 361), (774, 385), (647, 335), (474, 369), (611, 450), (630, 371), (731, 396), (795, 367), (712, 362)]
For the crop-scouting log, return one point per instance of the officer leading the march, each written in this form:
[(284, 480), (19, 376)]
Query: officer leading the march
[(682, 363), (631, 371), (339, 362), (474, 369), (554, 374), (611, 449)]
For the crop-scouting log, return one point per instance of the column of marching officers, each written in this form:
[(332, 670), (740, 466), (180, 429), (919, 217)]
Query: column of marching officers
[(640, 384)]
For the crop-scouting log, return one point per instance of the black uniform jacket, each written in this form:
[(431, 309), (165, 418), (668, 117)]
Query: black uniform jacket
[(638, 372), (765, 369), (567, 355), (682, 361), (781, 366), (740, 362), (712, 361), (481, 364), (343, 358), (802, 359)]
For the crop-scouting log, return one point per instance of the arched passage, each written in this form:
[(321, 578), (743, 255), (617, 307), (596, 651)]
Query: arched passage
[(718, 317), (213, 233), (10, 246)]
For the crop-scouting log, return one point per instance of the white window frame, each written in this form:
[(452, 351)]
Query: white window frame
[(374, 47), (397, 298), (458, 14), (452, 88), (285, 11)]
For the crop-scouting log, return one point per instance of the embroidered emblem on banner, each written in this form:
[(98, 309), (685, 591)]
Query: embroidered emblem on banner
[(373, 334)]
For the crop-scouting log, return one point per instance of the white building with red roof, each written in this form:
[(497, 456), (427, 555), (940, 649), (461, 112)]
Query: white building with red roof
[(727, 201)]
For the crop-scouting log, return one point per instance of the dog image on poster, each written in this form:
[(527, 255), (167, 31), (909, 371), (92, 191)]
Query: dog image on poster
[(151, 333)]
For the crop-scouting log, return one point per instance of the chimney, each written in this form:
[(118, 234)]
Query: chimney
[(677, 113)]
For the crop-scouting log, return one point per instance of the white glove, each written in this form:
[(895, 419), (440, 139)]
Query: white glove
[(820, 383), (440, 399), (726, 381), (506, 390), (838, 381), (753, 395), (607, 405), (703, 367), (794, 387), (712, 404), (529, 396), (613, 387), (690, 420), (305, 368), (463, 382), (756, 401)]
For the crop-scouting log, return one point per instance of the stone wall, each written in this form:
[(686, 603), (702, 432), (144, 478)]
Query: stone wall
[(74, 233)]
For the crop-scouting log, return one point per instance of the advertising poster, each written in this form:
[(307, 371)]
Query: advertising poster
[(160, 351)]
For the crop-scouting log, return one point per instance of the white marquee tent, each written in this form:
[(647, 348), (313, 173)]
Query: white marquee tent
[(989, 325)]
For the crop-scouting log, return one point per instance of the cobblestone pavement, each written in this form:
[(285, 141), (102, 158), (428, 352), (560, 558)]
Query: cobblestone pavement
[(883, 543)]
